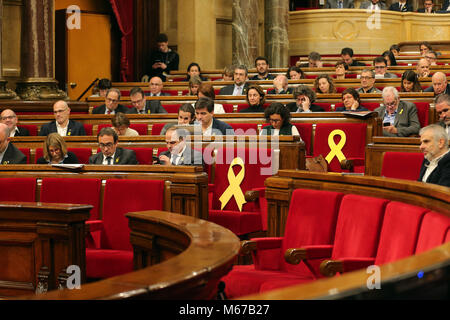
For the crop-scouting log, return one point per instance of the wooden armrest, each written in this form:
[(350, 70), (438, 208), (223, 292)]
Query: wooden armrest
[(347, 164), (252, 195), (247, 247), (295, 255), (329, 268)]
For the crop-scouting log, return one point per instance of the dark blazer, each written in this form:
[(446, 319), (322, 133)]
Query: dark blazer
[(360, 108), (21, 132), (70, 159), (13, 155), (268, 77), (396, 7), (171, 59), (422, 10), (273, 91), (445, 5), (221, 128), (151, 106), (163, 94), (122, 156), (75, 128), (333, 4), (189, 157), (368, 3), (292, 106), (228, 90), (406, 121), (102, 109), (441, 174), (356, 63), (430, 89), (257, 108)]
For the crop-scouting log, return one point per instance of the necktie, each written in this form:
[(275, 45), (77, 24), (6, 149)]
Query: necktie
[(341, 5), (109, 159), (239, 91), (108, 112)]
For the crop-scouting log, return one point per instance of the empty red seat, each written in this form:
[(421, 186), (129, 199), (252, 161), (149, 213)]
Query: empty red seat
[(228, 107), (325, 105), (143, 155), (423, 111), (306, 131), (18, 189), (141, 128), (32, 129), (433, 231), (82, 154), (88, 128), (156, 128), (27, 153), (171, 108), (402, 165)]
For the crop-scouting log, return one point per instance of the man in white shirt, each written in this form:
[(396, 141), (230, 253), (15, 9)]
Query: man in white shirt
[(178, 152), (240, 85), (9, 118), (62, 124), (156, 86)]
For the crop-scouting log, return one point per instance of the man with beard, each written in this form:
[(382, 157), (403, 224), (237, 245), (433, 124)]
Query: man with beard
[(262, 66), (442, 105), (239, 88)]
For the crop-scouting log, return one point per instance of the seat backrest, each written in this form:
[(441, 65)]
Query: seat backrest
[(104, 125), (306, 131), (156, 128), (123, 196), (27, 153), (242, 106), (354, 146), (88, 128), (143, 155), (141, 128), (399, 232), (82, 154), (39, 154), (423, 111), (171, 108), (433, 230), (402, 165), (325, 105), (228, 107), (171, 92), (358, 227), (18, 189), (73, 190), (32, 129), (245, 128)]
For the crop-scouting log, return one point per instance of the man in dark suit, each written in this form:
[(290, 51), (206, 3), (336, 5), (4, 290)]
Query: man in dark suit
[(239, 88), (428, 7), (440, 84), (399, 117), (62, 124), (143, 106), (436, 165), (111, 105), (262, 66), (204, 113), (446, 6), (9, 118), (304, 98), (9, 154), (347, 57), (373, 5), (442, 105), (111, 154), (339, 4), (156, 85), (401, 6), (179, 153)]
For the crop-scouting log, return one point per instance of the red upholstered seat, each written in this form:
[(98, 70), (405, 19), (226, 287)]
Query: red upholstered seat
[(18, 189), (306, 131), (369, 105), (171, 108), (423, 111), (308, 224), (26, 152), (32, 129), (433, 230), (82, 154), (156, 128), (104, 125), (141, 128), (171, 92), (354, 148), (402, 165), (228, 107), (114, 255), (88, 128), (242, 106), (245, 128), (325, 105), (143, 155)]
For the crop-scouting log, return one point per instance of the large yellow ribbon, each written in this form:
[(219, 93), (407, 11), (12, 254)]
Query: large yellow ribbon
[(234, 188), (336, 150)]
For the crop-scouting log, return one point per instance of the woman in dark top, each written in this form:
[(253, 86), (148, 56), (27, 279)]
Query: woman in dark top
[(193, 69), (410, 82), (55, 151), (255, 98), (351, 100), (279, 118)]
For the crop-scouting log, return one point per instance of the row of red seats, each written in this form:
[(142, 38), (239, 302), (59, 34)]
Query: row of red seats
[(141, 128), (357, 230)]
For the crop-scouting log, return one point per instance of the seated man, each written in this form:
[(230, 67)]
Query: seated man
[(111, 105), (431, 56), (402, 6), (62, 124), (156, 85), (121, 124), (314, 61), (423, 68), (280, 84), (179, 153), (442, 105), (436, 165), (399, 117), (186, 116), (163, 59), (111, 154), (446, 5), (380, 66), (427, 7), (440, 84), (103, 86), (304, 97), (9, 118), (367, 81), (239, 88), (339, 4), (9, 154), (373, 5), (347, 57), (143, 106), (204, 113), (262, 66)]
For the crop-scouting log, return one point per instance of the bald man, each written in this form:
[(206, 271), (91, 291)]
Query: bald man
[(156, 86), (423, 68), (9, 118), (440, 84), (9, 154), (62, 124), (280, 84)]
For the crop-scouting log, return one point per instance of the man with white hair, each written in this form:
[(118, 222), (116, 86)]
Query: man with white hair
[(399, 117), (436, 165), (440, 84), (442, 105), (9, 154), (280, 84), (423, 68)]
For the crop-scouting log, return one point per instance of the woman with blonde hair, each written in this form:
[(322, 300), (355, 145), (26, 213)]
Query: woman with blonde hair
[(55, 151)]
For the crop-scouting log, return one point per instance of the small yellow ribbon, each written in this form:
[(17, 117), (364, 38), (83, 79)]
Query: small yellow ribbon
[(336, 150), (234, 188)]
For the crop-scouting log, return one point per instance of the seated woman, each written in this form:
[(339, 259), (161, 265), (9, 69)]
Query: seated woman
[(121, 124), (194, 84), (186, 116), (279, 118), (410, 82), (255, 98), (304, 100), (55, 151), (207, 90), (193, 69), (324, 84), (341, 70), (351, 100), (390, 58), (295, 73)]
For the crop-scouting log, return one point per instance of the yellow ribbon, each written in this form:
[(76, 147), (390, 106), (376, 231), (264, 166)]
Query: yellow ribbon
[(234, 188), (336, 150)]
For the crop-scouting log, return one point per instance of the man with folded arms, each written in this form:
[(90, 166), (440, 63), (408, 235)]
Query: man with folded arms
[(9, 154), (62, 124), (111, 154)]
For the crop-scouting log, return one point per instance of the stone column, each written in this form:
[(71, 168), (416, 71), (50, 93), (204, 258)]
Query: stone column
[(245, 32), (276, 22), (4, 93), (37, 54)]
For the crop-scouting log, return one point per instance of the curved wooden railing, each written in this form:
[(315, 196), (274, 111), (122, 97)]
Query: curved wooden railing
[(191, 256)]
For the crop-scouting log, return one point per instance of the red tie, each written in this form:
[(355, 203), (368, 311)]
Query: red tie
[(108, 112)]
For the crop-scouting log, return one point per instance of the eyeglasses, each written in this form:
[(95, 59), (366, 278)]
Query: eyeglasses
[(391, 104), (8, 118), (137, 102), (380, 67), (366, 78), (105, 145), (59, 111), (275, 120), (171, 142), (112, 100)]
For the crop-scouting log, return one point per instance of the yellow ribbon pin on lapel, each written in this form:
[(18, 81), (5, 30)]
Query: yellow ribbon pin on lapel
[(336, 150), (234, 188)]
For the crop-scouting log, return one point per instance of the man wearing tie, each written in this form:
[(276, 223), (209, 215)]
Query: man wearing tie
[(110, 154), (239, 88), (373, 5), (143, 106), (339, 4), (111, 105), (401, 6), (178, 152)]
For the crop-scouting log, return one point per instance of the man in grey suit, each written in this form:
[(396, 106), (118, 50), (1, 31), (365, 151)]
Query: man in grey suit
[(373, 4), (142, 106), (399, 117), (239, 88), (339, 4), (110, 154)]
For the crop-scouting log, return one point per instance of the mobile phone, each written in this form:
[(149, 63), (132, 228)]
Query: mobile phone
[(386, 124), (157, 160)]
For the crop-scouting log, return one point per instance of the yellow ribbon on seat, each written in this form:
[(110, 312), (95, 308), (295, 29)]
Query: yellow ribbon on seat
[(234, 188), (336, 150)]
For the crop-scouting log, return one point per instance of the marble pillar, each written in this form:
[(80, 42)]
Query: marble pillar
[(37, 55), (245, 32), (276, 22), (4, 92)]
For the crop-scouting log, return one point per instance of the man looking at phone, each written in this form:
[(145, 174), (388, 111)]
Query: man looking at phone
[(163, 60)]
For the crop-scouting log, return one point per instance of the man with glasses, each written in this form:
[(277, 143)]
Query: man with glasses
[(380, 66), (142, 106), (156, 86), (240, 86), (367, 81), (111, 154), (111, 105), (9, 118), (442, 105), (427, 7), (431, 56), (440, 84), (62, 124), (9, 154), (399, 117)]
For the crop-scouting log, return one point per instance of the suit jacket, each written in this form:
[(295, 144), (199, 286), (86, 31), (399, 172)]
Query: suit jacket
[(122, 156), (396, 7), (74, 128), (163, 94), (273, 91), (430, 89), (441, 174), (189, 157), (292, 106), (360, 108), (13, 155), (21, 132), (406, 121), (102, 109), (356, 63), (333, 4), (228, 90), (221, 128), (445, 5), (268, 77), (70, 159), (367, 4), (422, 10), (372, 90), (151, 106)]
